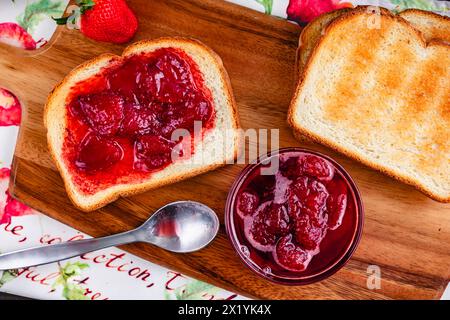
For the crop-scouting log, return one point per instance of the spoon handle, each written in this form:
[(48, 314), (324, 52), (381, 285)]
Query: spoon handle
[(56, 252)]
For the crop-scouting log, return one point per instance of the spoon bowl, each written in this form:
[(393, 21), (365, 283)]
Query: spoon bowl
[(183, 226)]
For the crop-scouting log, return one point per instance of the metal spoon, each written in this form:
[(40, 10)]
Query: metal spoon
[(182, 226)]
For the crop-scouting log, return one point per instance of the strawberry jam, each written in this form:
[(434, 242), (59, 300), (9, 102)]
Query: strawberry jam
[(300, 221), (120, 122)]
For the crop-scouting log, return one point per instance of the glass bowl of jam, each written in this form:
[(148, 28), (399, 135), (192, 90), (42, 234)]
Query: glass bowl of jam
[(295, 216)]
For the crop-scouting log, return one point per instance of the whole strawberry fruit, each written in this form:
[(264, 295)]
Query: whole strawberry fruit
[(104, 20), (304, 11), (109, 21)]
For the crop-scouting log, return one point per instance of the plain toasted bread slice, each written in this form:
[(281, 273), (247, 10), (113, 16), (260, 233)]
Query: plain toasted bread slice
[(432, 26), (380, 95), (220, 144)]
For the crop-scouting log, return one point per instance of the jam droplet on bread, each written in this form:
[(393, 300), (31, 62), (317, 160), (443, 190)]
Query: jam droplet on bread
[(120, 122)]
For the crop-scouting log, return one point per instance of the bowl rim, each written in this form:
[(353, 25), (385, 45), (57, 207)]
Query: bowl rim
[(330, 270)]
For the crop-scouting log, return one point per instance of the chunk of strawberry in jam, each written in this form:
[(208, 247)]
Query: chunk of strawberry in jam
[(316, 167), (152, 152), (297, 191), (258, 232), (309, 165), (102, 112), (307, 195), (307, 207), (127, 78), (317, 197), (337, 203), (170, 79), (247, 203), (264, 185), (97, 153), (166, 79), (140, 120), (182, 115), (309, 231), (203, 108), (277, 219), (290, 256), (290, 168)]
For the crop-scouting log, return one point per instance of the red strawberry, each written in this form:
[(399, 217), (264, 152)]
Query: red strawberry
[(105, 20), (109, 21), (304, 11)]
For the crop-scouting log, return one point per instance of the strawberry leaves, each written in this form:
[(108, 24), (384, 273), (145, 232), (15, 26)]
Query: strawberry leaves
[(76, 12), (86, 5)]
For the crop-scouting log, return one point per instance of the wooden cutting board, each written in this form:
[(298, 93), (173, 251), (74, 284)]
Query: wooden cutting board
[(406, 234)]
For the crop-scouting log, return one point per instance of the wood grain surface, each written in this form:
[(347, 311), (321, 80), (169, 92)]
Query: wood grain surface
[(406, 234)]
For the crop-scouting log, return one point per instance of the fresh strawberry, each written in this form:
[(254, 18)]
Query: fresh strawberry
[(104, 20), (109, 21), (304, 11), (13, 34)]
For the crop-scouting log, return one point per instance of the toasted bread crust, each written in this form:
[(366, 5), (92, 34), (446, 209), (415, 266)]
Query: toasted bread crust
[(438, 20), (430, 14), (117, 191), (309, 37), (298, 129)]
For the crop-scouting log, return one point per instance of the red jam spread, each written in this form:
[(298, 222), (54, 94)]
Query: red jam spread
[(120, 122), (288, 218)]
